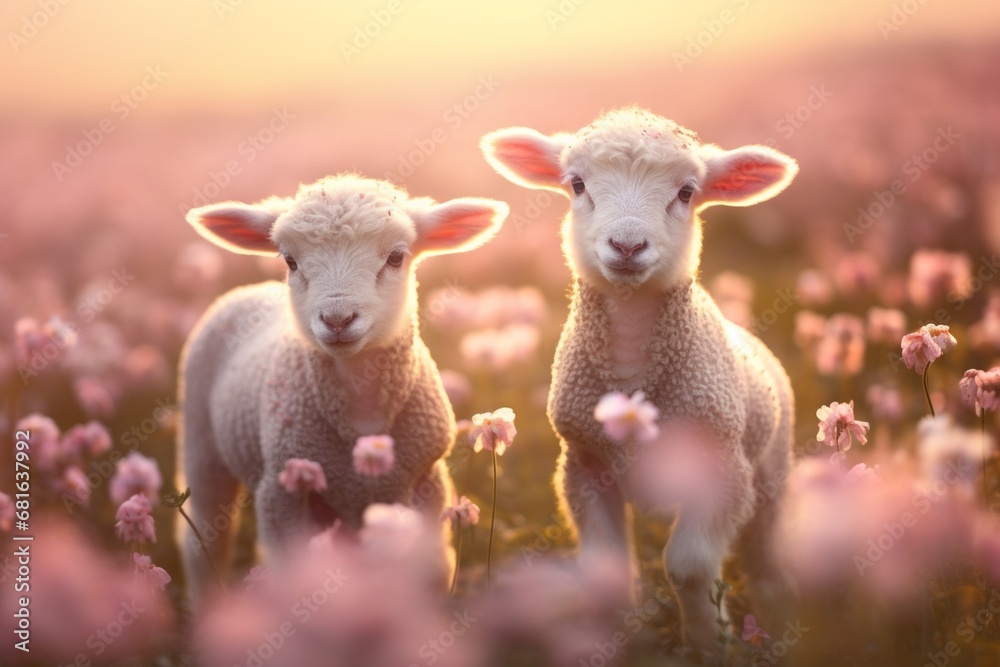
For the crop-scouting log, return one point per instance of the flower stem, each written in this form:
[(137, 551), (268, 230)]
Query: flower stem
[(204, 548), (927, 392), (493, 521), (986, 485), (458, 560)]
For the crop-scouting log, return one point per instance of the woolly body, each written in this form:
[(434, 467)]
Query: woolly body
[(302, 369), (272, 397), (640, 321)]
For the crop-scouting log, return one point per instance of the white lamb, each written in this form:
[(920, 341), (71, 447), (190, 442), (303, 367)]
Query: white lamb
[(276, 371), (640, 320)]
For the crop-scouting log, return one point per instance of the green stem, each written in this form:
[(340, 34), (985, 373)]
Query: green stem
[(493, 521), (204, 548), (927, 392), (458, 560)]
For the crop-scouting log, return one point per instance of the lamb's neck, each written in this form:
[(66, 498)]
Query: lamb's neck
[(633, 318), (375, 381)]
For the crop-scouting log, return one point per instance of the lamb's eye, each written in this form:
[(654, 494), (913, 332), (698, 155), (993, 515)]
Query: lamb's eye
[(292, 265), (684, 194), (395, 258), (578, 186)]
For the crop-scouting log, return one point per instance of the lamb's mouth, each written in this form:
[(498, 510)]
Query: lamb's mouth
[(345, 342), (627, 272)]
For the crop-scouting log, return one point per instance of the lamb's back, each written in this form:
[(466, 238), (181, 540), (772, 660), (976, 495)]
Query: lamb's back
[(229, 360)]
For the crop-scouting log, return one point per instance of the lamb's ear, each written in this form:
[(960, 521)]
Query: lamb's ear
[(456, 225), (744, 176), (526, 157), (241, 228)]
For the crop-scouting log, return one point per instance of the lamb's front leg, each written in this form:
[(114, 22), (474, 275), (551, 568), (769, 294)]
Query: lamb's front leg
[(280, 517), (694, 561), (591, 495), (701, 539), (432, 492)]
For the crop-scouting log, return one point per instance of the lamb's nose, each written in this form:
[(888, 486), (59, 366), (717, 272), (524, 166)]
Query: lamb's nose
[(626, 250), (338, 322)]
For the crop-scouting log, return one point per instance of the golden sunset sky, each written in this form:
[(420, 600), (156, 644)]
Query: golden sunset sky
[(219, 55)]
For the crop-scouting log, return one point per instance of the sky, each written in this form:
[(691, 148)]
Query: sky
[(67, 58)]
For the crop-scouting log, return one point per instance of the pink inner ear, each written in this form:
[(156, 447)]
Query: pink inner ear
[(236, 231), (458, 228), (525, 158), (748, 177)]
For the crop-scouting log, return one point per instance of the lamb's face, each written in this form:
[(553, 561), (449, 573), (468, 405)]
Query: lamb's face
[(632, 220), (350, 244), (349, 268), (636, 181)]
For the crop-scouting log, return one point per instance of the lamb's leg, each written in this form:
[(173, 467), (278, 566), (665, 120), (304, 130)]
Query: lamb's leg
[(432, 492), (280, 519), (591, 496), (702, 537), (213, 511), (771, 591), (693, 559)]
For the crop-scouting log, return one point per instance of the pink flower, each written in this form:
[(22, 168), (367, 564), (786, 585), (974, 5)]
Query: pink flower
[(968, 388), (391, 530), (936, 274), (752, 632), (146, 367), (464, 513), (258, 575), (733, 294), (984, 335), (837, 426), (493, 431), (155, 577), (925, 345), (373, 455), (809, 329), (855, 273), (950, 455), (813, 288), (91, 439), (136, 474), (74, 486), (625, 417), (499, 348), (77, 590), (95, 397), (886, 402), (841, 350), (456, 385), (47, 341), (28, 339), (862, 473), (7, 512), (981, 389), (135, 520), (886, 325), (302, 475), (43, 435)]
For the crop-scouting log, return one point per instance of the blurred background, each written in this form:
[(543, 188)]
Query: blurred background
[(117, 117)]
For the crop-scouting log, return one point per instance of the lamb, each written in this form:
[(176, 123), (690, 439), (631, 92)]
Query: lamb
[(640, 320), (275, 371)]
